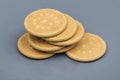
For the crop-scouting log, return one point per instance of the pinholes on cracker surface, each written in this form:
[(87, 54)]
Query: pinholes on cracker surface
[(89, 48), (70, 30), (45, 22), (50, 32)]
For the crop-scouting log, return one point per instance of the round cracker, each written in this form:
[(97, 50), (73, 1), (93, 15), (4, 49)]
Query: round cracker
[(91, 47), (45, 23), (70, 30), (64, 49), (28, 51), (77, 36), (41, 44)]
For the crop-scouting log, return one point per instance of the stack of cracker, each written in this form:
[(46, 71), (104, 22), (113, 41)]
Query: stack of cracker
[(50, 32)]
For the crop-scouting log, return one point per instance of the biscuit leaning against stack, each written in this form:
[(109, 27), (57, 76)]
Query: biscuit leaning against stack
[(50, 32)]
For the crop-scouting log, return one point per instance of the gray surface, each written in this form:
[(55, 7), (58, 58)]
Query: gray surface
[(101, 17)]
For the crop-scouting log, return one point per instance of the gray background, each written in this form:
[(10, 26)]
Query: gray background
[(101, 17)]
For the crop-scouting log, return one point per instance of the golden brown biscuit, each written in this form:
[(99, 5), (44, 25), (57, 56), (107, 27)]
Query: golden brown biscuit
[(45, 23), (70, 30), (41, 44), (77, 36), (28, 51), (89, 48)]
